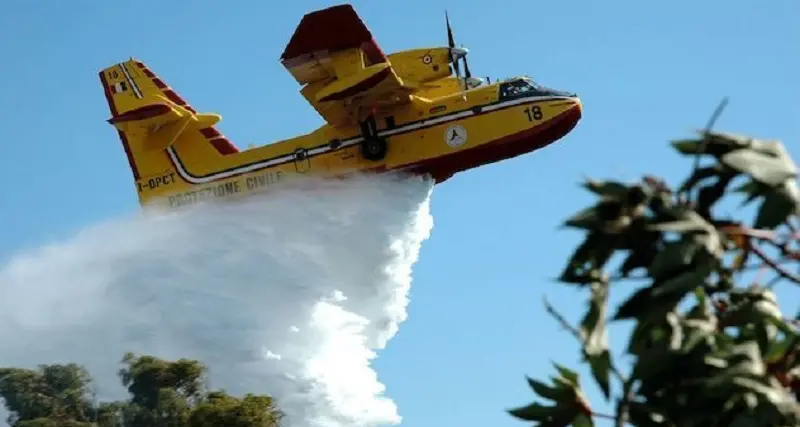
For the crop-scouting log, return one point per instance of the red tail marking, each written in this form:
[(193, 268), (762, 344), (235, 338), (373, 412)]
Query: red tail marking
[(125, 144), (217, 140)]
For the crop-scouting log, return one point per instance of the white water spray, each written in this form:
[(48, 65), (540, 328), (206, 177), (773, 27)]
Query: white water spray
[(288, 294)]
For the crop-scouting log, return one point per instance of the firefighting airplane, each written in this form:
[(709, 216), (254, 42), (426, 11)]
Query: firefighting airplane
[(404, 111)]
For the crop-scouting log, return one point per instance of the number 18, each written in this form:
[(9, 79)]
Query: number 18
[(533, 113)]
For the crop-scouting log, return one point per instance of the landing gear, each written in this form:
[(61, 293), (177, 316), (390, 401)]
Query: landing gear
[(373, 147)]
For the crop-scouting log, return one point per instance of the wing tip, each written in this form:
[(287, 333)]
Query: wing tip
[(334, 28)]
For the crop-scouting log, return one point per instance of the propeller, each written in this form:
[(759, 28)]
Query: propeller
[(457, 53)]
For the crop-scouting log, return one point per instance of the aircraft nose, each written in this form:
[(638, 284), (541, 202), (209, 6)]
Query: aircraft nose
[(577, 103)]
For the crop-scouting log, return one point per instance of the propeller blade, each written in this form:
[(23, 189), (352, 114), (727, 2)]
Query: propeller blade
[(452, 44), (450, 40), (467, 74)]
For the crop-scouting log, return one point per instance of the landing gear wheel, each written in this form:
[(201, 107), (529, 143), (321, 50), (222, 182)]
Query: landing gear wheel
[(374, 148)]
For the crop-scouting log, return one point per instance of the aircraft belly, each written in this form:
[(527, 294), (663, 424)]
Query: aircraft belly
[(498, 137), (465, 134)]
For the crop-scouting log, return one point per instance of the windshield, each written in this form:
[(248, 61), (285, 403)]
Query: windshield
[(524, 87)]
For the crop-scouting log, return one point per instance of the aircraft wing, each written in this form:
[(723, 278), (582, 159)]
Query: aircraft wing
[(345, 73)]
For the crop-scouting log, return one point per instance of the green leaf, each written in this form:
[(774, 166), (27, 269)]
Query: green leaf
[(544, 390), (753, 307), (586, 219), (583, 420), (613, 189), (716, 143), (687, 146), (750, 187), (697, 331), (778, 205), (702, 297), (766, 304), (777, 397), (746, 360), (661, 297), (764, 169), (778, 348), (533, 412), (568, 374), (601, 370), (728, 139), (682, 283), (689, 222), (594, 336), (752, 190), (589, 257), (673, 333), (674, 257), (569, 399), (767, 162)]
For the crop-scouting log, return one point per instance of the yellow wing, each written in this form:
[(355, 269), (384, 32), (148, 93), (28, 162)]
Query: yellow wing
[(345, 73)]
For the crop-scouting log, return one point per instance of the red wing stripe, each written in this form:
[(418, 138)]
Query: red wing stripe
[(361, 86)]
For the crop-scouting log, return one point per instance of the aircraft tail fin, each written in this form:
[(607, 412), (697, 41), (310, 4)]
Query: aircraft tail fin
[(151, 117)]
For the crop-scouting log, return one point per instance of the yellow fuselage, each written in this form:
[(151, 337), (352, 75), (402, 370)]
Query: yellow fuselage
[(179, 158), (419, 134)]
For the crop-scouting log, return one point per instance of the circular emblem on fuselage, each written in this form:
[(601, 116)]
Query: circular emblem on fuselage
[(427, 59), (455, 136)]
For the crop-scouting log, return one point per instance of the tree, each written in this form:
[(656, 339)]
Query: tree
[(53, 392), (162, 394), (220, 409), (706, 350)]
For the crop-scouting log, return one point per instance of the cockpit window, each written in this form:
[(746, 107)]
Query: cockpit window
[(516, 89), (524, 87)]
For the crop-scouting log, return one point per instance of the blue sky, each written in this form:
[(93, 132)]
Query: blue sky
[(646, 71)]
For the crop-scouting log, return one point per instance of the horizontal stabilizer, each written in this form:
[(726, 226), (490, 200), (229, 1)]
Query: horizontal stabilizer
[(162, 123)]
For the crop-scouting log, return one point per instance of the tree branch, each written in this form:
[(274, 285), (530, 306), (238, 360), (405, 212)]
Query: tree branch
[(768, 235), (561, 320), (774, 265), (575, 332), (621, 417), (772, 238), (624, 403)]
